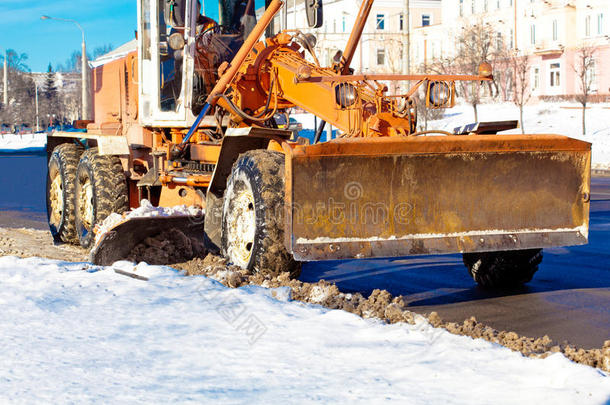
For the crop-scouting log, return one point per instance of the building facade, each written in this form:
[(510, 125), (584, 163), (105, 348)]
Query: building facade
[(551, 33)]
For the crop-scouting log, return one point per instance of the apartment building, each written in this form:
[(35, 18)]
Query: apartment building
[(383, 44), (551, 32)]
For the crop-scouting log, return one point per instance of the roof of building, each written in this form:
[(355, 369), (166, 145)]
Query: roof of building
[(118, 53)]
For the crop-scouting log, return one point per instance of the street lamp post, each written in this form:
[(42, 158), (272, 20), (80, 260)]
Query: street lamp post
[(84, 67)]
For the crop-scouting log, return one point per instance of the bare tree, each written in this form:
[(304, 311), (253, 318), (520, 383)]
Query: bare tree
[(584, 67), (21, 90), (475, 45), (522, 93)]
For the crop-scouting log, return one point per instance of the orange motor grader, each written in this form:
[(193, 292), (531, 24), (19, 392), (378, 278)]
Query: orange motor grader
[(186, 116)]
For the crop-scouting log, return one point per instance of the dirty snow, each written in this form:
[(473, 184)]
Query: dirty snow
[(23, 143), (145, 210), (75, 333)]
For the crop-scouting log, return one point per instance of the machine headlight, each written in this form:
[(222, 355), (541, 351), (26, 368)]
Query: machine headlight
[(439, 94), (346, 95)]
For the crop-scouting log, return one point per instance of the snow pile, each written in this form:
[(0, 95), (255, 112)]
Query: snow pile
[(23, 143), (145, 210), (70, 335), (542, 118)]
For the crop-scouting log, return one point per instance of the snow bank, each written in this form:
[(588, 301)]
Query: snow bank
[(23, 143), (76, 333), (145, 210), (542, 118)]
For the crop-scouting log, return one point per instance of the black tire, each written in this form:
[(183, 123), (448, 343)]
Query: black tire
[(261, 172), (213, 222), (61, 213), (503, 269), (108, 192)]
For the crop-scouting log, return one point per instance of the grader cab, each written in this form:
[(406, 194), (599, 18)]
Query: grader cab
[(201, 131)]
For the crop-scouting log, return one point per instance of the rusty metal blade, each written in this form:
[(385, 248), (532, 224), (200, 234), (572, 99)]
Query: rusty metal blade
[(405, 196)]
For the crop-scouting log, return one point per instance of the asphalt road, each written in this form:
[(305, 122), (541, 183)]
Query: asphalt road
[(568, 299)]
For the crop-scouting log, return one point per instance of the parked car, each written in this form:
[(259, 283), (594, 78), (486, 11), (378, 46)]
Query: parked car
[(24, 129)]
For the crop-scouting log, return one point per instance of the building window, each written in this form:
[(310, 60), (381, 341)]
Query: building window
[(600, 24), (499, 41), (485, 6), (343, 24), (554, 30), (335, 26), (425, 20), (588, 26), (535, 78), (380, 57), (381, 21), (461, 8), (472, 6), (533, 34), (555, 69), (498, 4), (401, 22)]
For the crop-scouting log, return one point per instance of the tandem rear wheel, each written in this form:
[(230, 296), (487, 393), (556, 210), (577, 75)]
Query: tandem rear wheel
[(60, 192), (101, 189), (503, 269)]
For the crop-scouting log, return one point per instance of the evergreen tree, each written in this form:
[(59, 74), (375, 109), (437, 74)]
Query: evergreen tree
[(49, 93)]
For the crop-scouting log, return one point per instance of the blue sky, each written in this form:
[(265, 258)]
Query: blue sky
[(104, 21)]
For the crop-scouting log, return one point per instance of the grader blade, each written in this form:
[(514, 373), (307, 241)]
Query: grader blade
[(387, 197), (119, 241)]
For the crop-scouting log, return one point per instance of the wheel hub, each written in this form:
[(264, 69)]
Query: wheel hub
[(56, 198), (241, 225), (85, 198)]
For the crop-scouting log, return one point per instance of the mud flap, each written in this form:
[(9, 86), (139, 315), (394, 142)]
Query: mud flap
[(388, 197), (118, 243)]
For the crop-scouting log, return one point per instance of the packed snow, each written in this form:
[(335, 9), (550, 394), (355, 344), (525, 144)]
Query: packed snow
[(145, 210), (540, 118), (71, 332), (22, 143)]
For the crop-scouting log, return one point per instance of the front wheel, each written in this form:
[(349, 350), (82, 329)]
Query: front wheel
[(101, 189), (253, 215), (503, 269)]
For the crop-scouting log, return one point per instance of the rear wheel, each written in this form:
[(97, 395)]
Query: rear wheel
[(503, 269), (60, 192), (101, 189), (253, 215)]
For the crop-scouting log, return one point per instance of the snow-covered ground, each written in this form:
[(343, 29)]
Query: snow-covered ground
[(541, 118), (74, 333), (23, 143)]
